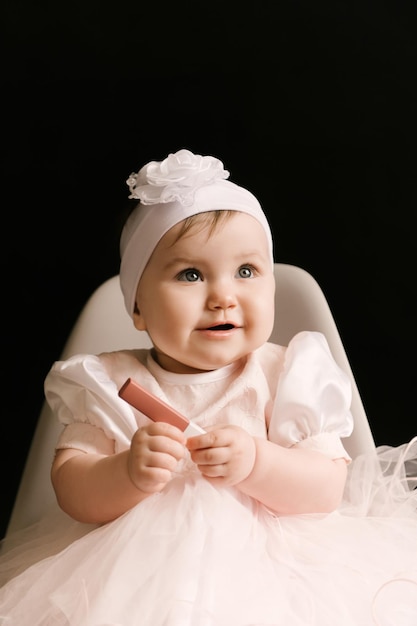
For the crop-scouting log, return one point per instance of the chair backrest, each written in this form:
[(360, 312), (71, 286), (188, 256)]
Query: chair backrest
[(104, 325)]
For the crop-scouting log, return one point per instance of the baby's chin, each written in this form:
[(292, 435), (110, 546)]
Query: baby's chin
[(192, 366)]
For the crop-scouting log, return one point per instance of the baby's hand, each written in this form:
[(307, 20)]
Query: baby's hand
[(154, 453), (225, 455)]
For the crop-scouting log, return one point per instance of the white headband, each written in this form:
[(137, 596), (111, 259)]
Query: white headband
[(169, 191)]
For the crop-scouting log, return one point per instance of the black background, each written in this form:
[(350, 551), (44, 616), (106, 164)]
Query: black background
[(310, 105)]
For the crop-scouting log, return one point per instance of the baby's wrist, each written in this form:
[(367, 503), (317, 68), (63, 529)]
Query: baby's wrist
[(251, 463)]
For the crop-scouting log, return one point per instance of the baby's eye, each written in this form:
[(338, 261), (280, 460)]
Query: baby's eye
[(190, 275), (246, 271)]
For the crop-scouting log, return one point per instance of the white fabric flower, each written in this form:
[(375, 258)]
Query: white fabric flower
[(176, 178)]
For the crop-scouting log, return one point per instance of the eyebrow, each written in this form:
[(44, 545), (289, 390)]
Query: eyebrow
[(180, 261)]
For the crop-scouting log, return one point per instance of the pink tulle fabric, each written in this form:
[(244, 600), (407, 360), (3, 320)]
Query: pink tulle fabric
[(197, 555)]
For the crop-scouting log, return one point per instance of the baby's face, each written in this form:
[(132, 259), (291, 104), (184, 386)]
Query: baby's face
[(208, 300)]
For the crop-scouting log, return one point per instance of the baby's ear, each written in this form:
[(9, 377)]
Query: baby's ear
[(138, 319)]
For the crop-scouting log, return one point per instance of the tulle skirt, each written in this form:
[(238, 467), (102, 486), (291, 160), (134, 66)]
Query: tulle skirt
[(196, 555)]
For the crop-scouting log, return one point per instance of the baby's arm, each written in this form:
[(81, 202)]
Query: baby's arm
[(287, 480), (295, 480), (95, 488)]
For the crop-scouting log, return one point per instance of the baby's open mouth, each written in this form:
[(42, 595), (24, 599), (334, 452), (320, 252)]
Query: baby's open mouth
[(221, 327)]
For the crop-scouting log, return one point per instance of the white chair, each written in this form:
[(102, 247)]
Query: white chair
[(104, 325)]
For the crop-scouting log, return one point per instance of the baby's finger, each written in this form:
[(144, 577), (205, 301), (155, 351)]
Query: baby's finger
[(210, 456), (166, 430), (168, 446), (212, 439)]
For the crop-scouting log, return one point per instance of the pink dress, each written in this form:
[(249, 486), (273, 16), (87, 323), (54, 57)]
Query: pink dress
[(197, 555)]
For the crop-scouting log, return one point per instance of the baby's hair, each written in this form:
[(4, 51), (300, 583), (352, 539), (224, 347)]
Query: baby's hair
[(209, 219)]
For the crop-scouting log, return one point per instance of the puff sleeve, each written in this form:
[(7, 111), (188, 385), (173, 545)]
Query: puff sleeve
[(312, 401), (85, 400)]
